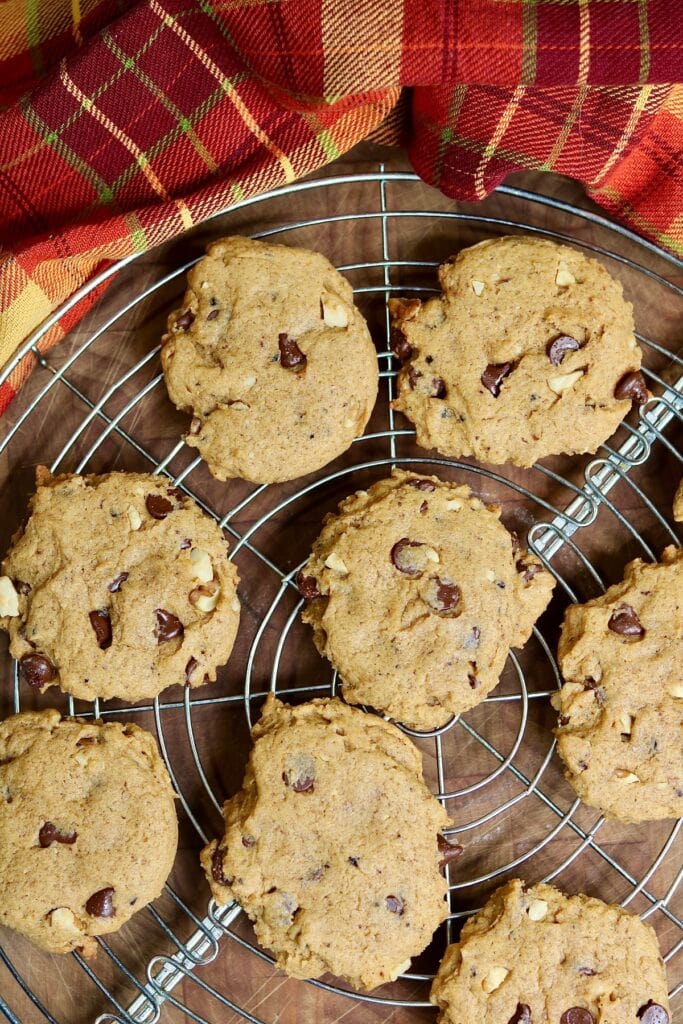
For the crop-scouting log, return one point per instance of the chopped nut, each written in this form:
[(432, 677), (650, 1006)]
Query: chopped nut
[(626, 723), (676, 690), (333, 561), (334, 311), (202, 569), (490, 575), (626, 776), (564, 276), (205, 597), (239, 406), (453, 504), (537, 910), (64, 919), (9, 599), (477, 287), (195, 425), (431, 554), (494, 979), (249, 382), (564, 381), (134, 517)]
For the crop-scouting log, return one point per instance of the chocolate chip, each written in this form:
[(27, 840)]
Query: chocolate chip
[(625, 622), (422, 484), (308, 586), (472, 680), (168, 626), (185, 544), (189, 669), (577, 1015), (291, 356), (632, 386), (37, 670), (217, 867), (559, 346), (522, 1015), (400, 345), (514, 540), (587, 972), (402, 560), (653, 1013), (300, 784), (175, 492), (49, 833), (438, 388), (158, 506), (564, 719), (443, 596), (448, 851), (473, 639), (185, 320), (413, 377), (353, 861), (395, 905), (494, 375), (101, 624), (248, 841), (86, 741), (23, 588), (115, 584), (213, 314), (101, 904)]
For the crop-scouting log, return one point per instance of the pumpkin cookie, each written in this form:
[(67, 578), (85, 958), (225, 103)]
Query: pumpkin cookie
[(334, 844), (528, 352), (678, 503), (273, 360), (416, 591), (621, 706), (118, 586), (535, 955), (88, 829)]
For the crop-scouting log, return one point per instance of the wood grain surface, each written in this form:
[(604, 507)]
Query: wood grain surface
[(103, 407)]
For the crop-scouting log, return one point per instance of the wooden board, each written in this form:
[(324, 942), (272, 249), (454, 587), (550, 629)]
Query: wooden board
[(146, 429)]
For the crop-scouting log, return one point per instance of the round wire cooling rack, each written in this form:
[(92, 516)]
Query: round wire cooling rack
[(494, 768)]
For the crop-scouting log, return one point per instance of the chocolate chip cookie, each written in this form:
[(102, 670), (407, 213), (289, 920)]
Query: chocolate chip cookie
[(415, 592), (536, 956), (678, 503), (528, 352), (620, 730), (334, 844), (118, 586), (273, 360), (88, 829)]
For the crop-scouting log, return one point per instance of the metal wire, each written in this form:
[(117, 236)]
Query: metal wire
[(556, 527)]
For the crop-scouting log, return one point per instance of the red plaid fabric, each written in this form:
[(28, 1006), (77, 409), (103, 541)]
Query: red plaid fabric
[(125, 123)]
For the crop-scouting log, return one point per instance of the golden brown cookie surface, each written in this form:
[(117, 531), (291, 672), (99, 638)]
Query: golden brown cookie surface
[(528, 352), (534, 954), (88, 829), (272, 358), (119, 586), (416, 594), (331, 846), (621, 705)]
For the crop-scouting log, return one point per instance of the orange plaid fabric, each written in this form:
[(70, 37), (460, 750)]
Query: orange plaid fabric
[(124, 123)]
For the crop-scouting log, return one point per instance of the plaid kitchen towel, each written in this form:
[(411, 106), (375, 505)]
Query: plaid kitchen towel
[(124, 123)]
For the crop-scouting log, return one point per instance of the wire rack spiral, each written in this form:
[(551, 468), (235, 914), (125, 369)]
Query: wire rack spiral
[(494, 768)]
